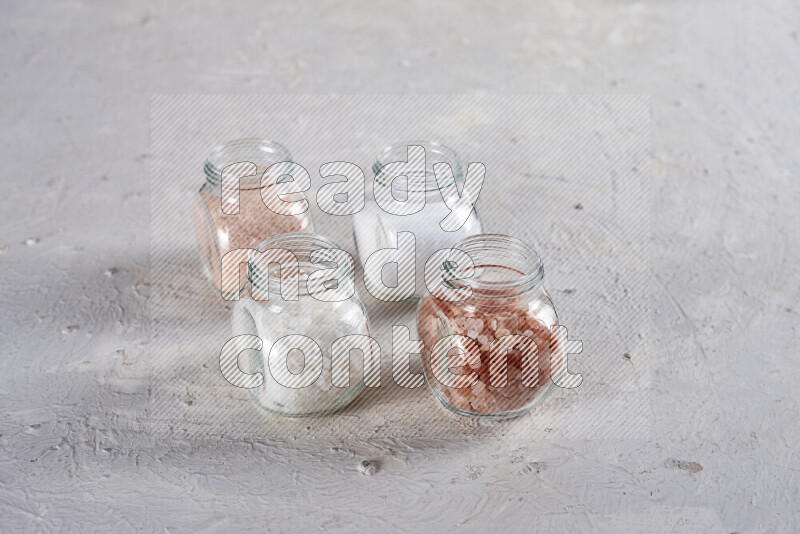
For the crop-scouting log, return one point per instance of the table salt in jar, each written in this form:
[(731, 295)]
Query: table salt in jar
[(231, 214), (489, 354), (374, 228), (317, 354)]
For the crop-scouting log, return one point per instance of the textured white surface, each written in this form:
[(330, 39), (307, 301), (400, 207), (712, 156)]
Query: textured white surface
[(75, 453)]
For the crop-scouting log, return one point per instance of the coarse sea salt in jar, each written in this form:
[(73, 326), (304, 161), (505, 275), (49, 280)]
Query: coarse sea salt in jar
[(317, 354), (233, 214), (489, 351), (374, 228)]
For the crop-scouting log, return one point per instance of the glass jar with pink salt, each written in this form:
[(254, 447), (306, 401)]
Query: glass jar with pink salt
[(235, 209), (487, 329)]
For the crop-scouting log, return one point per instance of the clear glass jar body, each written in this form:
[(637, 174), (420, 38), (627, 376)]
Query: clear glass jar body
[(322, 321), (507, 306), (374, 228), (218, 228)]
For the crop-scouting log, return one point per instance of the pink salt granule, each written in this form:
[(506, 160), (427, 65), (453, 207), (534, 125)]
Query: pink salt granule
[(219, 232), (485, 320)]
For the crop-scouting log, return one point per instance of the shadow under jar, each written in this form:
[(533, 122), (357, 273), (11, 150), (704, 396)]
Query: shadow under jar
[(479, 357), (219, 226), (303, 378), (374, 228)]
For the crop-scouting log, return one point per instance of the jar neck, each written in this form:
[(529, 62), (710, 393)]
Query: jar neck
[(262, 153), (267, 278), (423, 177), (504, 267)]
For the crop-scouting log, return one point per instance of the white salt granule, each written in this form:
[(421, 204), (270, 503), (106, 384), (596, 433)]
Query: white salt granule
[(323, 322), (375, 229)]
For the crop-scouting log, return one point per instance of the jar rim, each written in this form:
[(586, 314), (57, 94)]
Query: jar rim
[(301, 244), (399, 152), (261, 152), (496, 251)]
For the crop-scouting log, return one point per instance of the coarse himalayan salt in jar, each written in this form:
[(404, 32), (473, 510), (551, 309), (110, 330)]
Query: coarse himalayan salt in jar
[(302, 378), (218, 226), (507, 311), (374, 228)]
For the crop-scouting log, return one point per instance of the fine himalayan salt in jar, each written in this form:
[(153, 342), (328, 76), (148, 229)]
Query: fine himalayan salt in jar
[(490, 354), (374, 228), (325, 370), (226, 221)]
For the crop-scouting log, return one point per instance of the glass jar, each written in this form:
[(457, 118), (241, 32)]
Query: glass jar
[(479, 357), (374, 228), (219, 226), (308, 381)]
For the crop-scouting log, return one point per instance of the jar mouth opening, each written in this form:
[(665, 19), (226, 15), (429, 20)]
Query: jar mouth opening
[(504, 266), (264, 274), (434, 153), (261, 152)]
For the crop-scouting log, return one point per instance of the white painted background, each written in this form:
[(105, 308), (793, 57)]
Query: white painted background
[(76, 450)]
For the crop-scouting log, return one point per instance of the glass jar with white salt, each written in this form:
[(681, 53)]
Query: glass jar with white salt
[(317, 354), (376, 228)]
